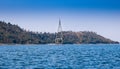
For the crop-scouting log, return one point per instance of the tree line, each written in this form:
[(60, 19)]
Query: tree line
[(13, 34)]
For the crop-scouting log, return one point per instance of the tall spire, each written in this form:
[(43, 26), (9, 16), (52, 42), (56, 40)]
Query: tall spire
[(59, 36), (59, 26)]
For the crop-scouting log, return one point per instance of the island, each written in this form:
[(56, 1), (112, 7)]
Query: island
[(13, 34)]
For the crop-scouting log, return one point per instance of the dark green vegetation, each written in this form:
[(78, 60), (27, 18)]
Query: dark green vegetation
[(13, 34)]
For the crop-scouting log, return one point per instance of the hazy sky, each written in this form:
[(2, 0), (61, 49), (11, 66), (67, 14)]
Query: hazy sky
[(101, 16)]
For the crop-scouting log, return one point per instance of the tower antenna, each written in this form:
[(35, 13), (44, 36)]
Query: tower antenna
[(59, 35)]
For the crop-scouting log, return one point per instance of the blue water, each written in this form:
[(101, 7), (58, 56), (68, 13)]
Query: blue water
[(60, 56)]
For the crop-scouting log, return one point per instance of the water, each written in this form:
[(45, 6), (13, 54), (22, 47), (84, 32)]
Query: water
[(60, 56)]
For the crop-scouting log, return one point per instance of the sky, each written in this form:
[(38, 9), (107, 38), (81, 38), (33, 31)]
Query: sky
[(100, 16)]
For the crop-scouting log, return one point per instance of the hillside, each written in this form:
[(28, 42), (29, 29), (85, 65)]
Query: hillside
[(13, 34)]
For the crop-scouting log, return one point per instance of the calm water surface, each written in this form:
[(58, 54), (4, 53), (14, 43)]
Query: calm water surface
[(60, 56)]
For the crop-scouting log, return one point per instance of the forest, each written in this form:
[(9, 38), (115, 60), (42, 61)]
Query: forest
[(13, 34)]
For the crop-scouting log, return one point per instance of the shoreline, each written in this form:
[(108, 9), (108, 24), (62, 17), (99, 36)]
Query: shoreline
[(61, 44)]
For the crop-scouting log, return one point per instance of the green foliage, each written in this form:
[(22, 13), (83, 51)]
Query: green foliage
[(13, 34)]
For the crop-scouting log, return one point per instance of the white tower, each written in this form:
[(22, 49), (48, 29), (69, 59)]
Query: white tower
[(59, 35)]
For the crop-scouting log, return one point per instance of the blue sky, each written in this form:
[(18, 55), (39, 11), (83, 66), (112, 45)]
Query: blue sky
[(101, 16)]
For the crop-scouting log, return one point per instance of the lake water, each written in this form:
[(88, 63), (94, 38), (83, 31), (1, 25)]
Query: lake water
[(84, 56)]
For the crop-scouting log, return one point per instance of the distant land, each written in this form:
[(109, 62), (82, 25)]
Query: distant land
[(13, 34)]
